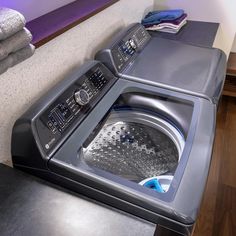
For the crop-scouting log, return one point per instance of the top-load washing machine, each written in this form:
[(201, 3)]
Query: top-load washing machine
[(140, 148), (134, 55)]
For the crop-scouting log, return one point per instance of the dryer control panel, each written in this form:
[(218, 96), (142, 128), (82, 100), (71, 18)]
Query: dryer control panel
[(125, 48), (72, 105)]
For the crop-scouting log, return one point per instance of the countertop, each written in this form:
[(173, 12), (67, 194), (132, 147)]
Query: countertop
[(31, 206), (196, 33)]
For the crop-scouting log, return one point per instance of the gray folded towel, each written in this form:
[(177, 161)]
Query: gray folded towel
[(16, 57), (15, 42), (11, 22)]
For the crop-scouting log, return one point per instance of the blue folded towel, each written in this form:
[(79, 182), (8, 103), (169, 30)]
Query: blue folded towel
[(157, 17)]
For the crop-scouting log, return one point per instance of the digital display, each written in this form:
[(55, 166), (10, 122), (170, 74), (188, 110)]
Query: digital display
[(64, 111), (97, 79), (58, 116)]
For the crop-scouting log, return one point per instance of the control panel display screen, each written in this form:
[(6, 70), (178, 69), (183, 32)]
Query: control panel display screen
[(58, 117)]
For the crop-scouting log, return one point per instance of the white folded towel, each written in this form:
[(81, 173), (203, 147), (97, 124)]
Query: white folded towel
[(11, 22), (167, 27), (15, 42), (16, 57)]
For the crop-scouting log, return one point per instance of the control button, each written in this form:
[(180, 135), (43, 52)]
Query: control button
[(51, 126), (54, 122), (72, 106), (75, 110), (132, 44), (81, 97)]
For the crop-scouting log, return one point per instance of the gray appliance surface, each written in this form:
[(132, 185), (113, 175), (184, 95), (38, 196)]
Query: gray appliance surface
[(181, 202), (31, 206), (180, 67), (196, 33), (130, 145), (166, 63), (53, 151)]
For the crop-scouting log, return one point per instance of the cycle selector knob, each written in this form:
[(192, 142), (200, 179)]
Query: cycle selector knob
[(132, 44), (81, 97)]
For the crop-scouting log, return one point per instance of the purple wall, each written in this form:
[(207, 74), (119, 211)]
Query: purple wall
[(32, 9)]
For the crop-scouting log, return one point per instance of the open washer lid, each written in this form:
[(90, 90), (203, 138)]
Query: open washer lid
[(136, 56)]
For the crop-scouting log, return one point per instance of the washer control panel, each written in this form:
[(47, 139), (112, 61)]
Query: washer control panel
[(130, 45), (73, 105)]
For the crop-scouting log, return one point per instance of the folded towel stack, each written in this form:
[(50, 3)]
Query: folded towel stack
[(15, 39), (170, 21)]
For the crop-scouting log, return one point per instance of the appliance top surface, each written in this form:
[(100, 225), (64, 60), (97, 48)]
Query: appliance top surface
[(135, 55), (182, 66), (198, 33)]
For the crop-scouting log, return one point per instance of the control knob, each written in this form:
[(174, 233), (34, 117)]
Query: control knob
[(81, 97), (132, 44)]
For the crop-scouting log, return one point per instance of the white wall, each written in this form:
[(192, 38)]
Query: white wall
[(32, 9), (234, 45), (222, 11), (25, 83)]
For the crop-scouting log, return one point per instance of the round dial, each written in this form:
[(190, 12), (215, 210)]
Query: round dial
[(132, 44), (81, 97)]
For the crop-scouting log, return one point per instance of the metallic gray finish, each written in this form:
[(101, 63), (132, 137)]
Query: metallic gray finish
[(31, 116), (179, 67), (173, 65), (135, 146), (191, 117), (198, 146), (79, 99), (176, 111)]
